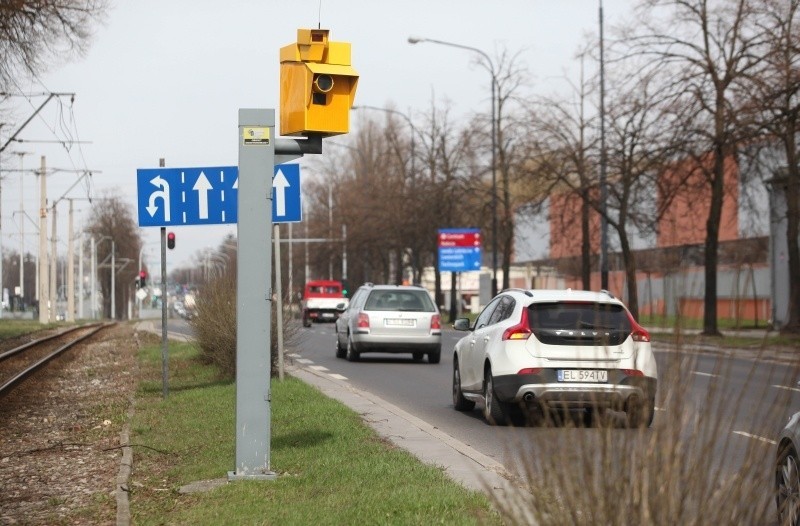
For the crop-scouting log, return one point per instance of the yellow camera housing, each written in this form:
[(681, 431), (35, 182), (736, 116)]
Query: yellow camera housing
[(318, 85)]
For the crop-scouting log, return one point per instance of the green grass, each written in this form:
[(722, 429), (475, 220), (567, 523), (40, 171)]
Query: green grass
[(10, 328), (332, 469)]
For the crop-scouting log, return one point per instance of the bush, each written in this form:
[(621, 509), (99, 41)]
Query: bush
[(691, 467), (214, 326)]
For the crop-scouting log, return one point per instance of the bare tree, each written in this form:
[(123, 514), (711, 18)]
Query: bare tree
[(712, 44), (35, 32), (114, 219), (557, 162)]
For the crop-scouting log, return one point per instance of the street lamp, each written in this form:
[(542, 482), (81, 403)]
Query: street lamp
[(490, 67)]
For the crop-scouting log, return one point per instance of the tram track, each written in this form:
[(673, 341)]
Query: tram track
[(19, 363)]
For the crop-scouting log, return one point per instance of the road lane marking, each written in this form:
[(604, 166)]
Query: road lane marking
[(337, 376), (698, 373), (304, 361), (795, 389), (320, 368), (756, 437), (293, 355)]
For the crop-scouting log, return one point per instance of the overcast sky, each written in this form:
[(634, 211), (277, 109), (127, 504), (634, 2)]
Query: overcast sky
[(166, 80)]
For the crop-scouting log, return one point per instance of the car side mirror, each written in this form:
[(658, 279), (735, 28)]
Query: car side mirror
[(461, 324), (341, 307)]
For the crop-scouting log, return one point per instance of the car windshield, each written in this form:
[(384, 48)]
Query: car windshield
[(559, 315), (399, 300)]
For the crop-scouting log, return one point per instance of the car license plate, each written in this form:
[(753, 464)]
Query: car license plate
[(583, 375), (327, 315), (399, 322)]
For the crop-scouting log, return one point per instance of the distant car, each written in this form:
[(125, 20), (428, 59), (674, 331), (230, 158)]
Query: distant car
[(320, 299), (554, 350), (787, 474), (389, 318)]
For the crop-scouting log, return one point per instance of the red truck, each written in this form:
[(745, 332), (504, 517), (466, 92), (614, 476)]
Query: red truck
[(320, 299)]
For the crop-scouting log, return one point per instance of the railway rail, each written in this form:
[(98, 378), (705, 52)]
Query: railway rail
[(19, 363)]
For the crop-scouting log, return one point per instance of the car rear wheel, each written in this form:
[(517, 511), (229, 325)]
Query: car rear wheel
[(340, 352), (787, 486), (459, 402), (306, 320), (351, 353), (493, 408), (639, 413), (435, 356)]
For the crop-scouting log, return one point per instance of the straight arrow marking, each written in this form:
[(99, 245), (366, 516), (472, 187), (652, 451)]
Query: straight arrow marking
[(280, 184), (202, 185)]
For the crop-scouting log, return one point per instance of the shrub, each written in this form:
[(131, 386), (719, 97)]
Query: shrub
[(693, 466), (214, 326)]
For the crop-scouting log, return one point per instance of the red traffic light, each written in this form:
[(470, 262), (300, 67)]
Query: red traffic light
[(142, 278), (171, 240)]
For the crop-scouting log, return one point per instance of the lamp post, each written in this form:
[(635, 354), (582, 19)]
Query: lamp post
[(490, 67)]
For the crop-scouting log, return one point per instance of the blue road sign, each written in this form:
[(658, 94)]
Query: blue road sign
[(459, 249), (209, 195), (286, 207), (459, 259)]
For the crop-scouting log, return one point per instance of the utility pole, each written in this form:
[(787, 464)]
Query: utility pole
[(70, 270), (53, 265), (21, 227), (44, 293)]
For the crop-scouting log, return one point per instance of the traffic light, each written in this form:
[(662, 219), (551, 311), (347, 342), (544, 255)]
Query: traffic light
[(142, 279), (345, 288), (171, 240), (318, 85)]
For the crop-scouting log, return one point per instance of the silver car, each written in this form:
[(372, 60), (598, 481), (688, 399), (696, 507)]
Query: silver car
[(389, 318), (787, 476)]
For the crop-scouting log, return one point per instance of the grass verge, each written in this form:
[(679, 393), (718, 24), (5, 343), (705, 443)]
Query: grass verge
[(332, 469), (11, 328)]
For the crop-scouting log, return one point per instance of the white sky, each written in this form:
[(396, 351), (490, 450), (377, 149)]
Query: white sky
[(166, 79)]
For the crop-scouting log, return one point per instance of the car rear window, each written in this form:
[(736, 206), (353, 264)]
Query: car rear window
[(399, 300), (560, 315)]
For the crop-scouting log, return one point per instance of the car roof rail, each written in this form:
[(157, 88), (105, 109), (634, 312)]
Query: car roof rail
[(517, 289)]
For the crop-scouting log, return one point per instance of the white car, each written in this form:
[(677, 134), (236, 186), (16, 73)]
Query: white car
[(547, 350), (787, 473), (391, 319)]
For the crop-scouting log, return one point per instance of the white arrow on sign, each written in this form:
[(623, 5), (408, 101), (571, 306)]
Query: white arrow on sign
[(280, 184), (163, 194), (202, 185)]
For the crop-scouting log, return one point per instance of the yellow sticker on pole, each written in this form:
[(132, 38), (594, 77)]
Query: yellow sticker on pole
[(256, 135)]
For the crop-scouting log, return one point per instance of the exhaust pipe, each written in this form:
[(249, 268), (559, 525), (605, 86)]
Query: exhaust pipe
[(528, 397)]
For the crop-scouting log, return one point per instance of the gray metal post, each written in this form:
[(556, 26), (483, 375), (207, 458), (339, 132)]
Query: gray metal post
[(279, 298), (256, 138), (164, 295)]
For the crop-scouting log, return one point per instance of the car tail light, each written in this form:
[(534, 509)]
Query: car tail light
[(363, 321), (436, 321), (530, 370), (638, 333), (632, 372), (520, 331)]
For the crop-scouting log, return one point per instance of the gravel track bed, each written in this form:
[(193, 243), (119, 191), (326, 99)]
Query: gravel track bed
[(60, 434)]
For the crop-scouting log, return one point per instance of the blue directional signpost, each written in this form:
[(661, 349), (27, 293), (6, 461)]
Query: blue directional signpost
[(209, 195), (459, 249)]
